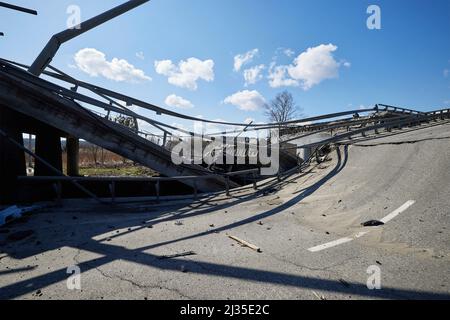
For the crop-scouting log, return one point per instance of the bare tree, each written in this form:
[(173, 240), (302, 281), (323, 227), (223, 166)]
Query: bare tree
[(94, 149), (128, 122), (283, 108)]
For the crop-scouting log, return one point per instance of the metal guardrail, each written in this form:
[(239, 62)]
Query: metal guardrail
[(58, 180), (417, 119)]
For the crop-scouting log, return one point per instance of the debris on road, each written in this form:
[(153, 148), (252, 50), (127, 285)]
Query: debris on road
[(178, 255), (245, 243), (372, 223), (320, 297), (15, 212)]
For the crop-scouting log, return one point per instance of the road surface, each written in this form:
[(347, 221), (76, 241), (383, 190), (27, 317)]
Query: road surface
[(309, 231)]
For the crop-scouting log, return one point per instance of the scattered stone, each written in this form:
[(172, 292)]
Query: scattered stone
[(178, 223), (340, 201), (150, 227), (212, 225), (20, 235), (379, 263), (327, 232), (372, 223), (260, 223)]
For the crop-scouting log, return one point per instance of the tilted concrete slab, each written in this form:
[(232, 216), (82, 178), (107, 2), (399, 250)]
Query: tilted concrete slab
[(68, 116)]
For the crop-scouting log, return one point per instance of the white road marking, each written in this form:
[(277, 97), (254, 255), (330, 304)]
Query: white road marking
[(363, 233), (337, 242), (394, 214)]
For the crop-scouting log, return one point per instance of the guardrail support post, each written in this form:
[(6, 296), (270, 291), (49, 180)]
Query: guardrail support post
[(255, 187), (58, 189), (228, 185), (158, 190), (112, 189), (195, 190)]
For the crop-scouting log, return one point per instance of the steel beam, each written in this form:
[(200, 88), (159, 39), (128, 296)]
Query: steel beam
[(17, 8), (52, 47)]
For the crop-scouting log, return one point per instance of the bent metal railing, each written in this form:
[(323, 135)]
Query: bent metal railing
[(388, 126)]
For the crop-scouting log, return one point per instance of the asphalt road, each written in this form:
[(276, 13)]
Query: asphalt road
[(309, 231)]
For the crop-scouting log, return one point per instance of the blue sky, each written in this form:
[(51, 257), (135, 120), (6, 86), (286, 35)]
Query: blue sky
[(347, 65)]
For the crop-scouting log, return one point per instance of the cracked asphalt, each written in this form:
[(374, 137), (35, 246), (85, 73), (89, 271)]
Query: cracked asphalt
[(119, 248)]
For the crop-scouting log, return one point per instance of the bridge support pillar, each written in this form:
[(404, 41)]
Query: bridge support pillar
[(12, 159), (48, 147), (73, 156)]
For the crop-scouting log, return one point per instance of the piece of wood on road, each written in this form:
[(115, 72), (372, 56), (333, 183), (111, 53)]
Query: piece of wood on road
[(245, 243)]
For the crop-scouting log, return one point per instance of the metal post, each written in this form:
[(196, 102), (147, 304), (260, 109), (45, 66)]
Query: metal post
[(112, 189), (158, 189), (58, 189), (195, 189), (228, 185), (255, 187)]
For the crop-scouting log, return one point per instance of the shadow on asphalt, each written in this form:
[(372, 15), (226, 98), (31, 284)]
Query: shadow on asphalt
[(111, 253)]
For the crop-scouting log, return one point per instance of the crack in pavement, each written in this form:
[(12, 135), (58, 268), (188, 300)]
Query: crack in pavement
[(398, 142), (159, 285)]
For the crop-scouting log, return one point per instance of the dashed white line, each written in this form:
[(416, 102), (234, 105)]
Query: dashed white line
[(394, 214), (385, 220), (336, 242)]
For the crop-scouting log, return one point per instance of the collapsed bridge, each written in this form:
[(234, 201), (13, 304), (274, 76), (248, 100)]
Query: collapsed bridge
[(44, 101)]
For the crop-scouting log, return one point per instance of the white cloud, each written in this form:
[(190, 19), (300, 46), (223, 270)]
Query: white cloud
[(315, 65), (246, 100), (140, 55), (253, 75), (178, 102), (242, 59), (446, 73), (278, 77), (94, 63), (309, 69), (289, 52), (187, 73), (249, 120)]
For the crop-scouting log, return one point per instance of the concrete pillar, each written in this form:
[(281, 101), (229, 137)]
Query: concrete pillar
[(12, 159), (73, 156), (48, 147)]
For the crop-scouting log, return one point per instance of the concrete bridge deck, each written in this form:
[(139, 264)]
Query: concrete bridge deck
[(119, 249)]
